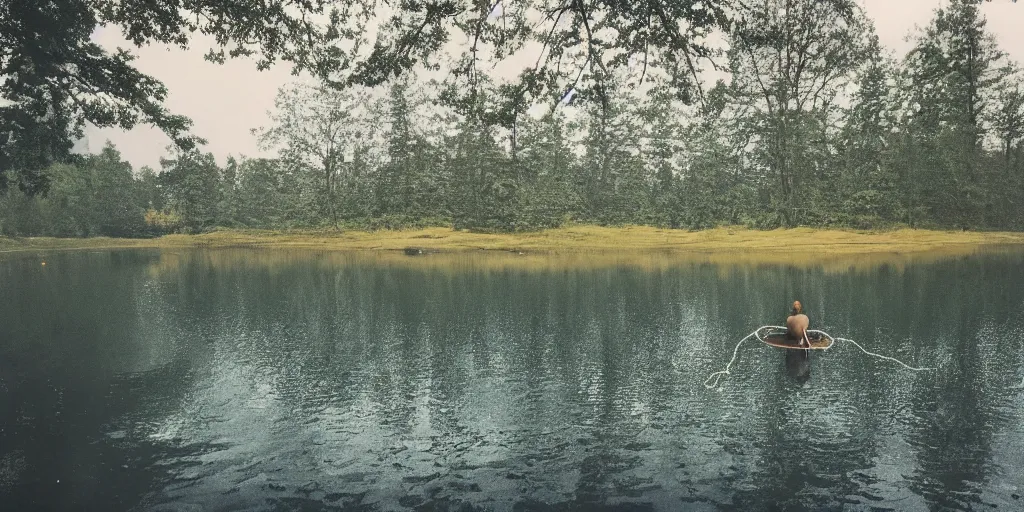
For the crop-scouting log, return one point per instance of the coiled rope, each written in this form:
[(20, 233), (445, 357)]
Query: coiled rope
[(716, 377)]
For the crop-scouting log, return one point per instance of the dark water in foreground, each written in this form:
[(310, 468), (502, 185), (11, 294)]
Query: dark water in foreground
[(235, 380)]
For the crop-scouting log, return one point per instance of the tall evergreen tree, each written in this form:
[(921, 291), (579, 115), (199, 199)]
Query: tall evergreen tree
[(192, 182), (869, 184), (953, 66), (113, 208), (547, 195)]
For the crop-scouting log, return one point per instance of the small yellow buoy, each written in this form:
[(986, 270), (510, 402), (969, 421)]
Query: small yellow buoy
[(44, 263)]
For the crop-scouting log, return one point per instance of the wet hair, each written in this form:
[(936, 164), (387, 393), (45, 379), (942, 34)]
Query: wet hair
[(797, 308)]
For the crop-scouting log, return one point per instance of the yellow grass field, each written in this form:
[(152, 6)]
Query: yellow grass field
[(585, 245)]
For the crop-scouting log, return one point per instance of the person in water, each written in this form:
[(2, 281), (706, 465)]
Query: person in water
[(797, 324)]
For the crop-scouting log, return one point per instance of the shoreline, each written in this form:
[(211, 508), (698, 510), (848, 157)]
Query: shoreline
[(574, 247), (571, 248), (576, 239), (573, 239)]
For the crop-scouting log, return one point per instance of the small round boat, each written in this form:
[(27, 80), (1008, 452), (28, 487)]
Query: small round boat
[(777, 338)]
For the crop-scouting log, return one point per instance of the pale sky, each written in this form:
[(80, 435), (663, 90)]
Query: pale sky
[(226, 101)]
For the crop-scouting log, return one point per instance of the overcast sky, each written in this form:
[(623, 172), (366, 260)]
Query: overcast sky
[(226, 101)]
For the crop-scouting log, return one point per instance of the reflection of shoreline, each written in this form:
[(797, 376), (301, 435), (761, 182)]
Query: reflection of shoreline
[(272, 259)]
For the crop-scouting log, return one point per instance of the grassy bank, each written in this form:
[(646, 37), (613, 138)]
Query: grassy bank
[(563, 248), (562, 240)]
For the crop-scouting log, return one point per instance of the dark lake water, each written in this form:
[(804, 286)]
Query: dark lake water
[(299, 380)]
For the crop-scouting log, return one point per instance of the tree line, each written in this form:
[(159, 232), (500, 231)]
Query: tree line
[(813, 124)]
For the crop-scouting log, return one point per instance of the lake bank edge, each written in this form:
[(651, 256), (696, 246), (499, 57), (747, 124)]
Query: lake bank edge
[(574, 239)]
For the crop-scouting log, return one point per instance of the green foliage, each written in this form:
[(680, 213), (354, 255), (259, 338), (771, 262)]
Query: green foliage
[(58, 78), (162, 222), (192, 184), (815, 126), (484, 195), (314, 127), (95, 196)]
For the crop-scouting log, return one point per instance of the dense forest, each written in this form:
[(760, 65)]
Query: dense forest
[(807, 121)]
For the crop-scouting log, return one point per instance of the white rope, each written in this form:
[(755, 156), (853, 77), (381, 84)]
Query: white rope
[(717, 376), (766, 327), (880, 356)]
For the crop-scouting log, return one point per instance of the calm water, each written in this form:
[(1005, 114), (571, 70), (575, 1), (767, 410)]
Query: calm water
[(236, 380)]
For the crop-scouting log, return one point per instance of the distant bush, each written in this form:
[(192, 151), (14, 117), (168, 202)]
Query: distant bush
[(162, 222)]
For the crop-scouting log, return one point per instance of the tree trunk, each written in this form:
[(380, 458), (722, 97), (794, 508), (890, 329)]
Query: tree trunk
[(329, 182)]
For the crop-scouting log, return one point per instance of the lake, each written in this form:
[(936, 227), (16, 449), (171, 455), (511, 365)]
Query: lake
[(301, 380)]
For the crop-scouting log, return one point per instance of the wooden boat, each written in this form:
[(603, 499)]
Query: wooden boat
[(819, 340)]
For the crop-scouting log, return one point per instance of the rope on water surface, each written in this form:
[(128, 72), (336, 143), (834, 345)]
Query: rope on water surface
[(880, 356), (717, 376)]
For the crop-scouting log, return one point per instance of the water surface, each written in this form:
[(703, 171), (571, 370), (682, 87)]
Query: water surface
[(301, 380)]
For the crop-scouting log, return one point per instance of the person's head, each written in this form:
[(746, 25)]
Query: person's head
[(797, 307)]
